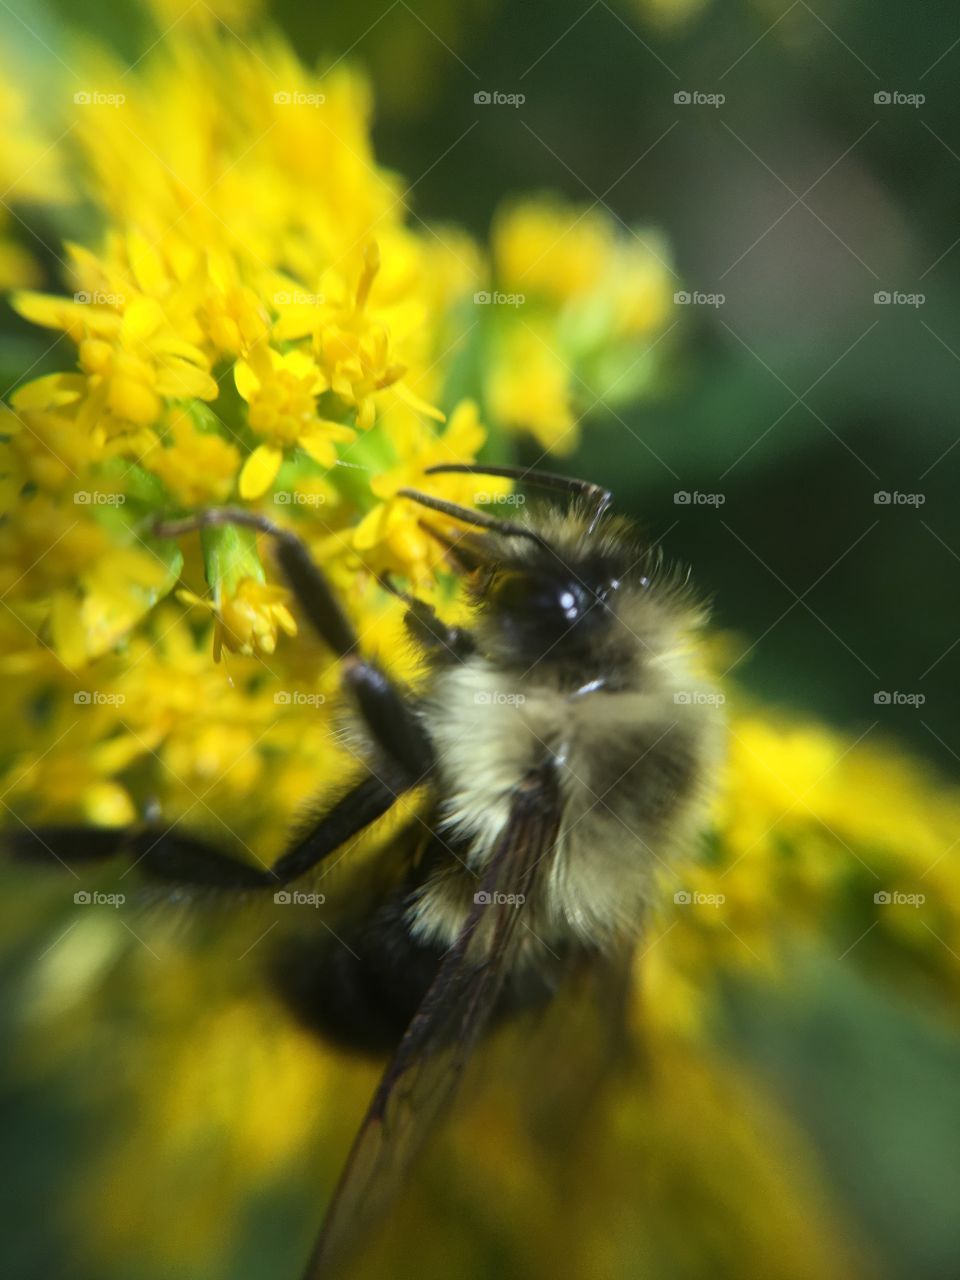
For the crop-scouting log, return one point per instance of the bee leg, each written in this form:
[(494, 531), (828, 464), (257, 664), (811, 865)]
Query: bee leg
[(390, 720), (426, 627), (173, 856)]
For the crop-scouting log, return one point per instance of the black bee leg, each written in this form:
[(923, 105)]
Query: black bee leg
[(391, 722), (428, 630), (173, 856)]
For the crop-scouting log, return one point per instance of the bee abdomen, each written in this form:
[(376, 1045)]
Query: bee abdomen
[(359, 991)]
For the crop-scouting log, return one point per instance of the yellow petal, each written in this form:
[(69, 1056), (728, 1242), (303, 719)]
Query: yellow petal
[(417, 402), (320, 448), (248, 384), (142, 318), (145, 263), (260, 471), (183, 380), (372, 528), (50, 392), (191, 598)]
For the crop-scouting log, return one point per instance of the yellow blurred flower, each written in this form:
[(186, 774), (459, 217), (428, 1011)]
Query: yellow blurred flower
[(580, 304)]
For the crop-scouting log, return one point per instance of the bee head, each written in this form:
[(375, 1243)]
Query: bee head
[(549, 607)]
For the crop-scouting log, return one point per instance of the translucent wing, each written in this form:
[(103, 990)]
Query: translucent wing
[(423, 1075)]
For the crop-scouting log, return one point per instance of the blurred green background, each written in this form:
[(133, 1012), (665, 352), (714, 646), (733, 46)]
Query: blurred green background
[(799, 398)]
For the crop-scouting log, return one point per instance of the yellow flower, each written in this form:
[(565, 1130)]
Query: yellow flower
[(31, 169), (529, 388), (130, 352), (198, 468), (281, 392), (553, 250), (586, 304), (73, 584), (249, 618)]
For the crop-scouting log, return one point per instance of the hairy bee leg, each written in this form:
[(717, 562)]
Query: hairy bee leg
[(426, 627), (393, 725), (173, 856)]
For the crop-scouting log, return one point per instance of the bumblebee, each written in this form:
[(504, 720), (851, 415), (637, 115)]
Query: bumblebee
[(566, 748)]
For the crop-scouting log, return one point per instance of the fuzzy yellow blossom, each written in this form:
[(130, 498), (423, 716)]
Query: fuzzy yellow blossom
[(31, 171), (580, 305), (530, 388)]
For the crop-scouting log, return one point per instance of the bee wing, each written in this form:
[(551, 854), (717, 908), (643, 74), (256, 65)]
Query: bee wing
[(421, 1079)]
